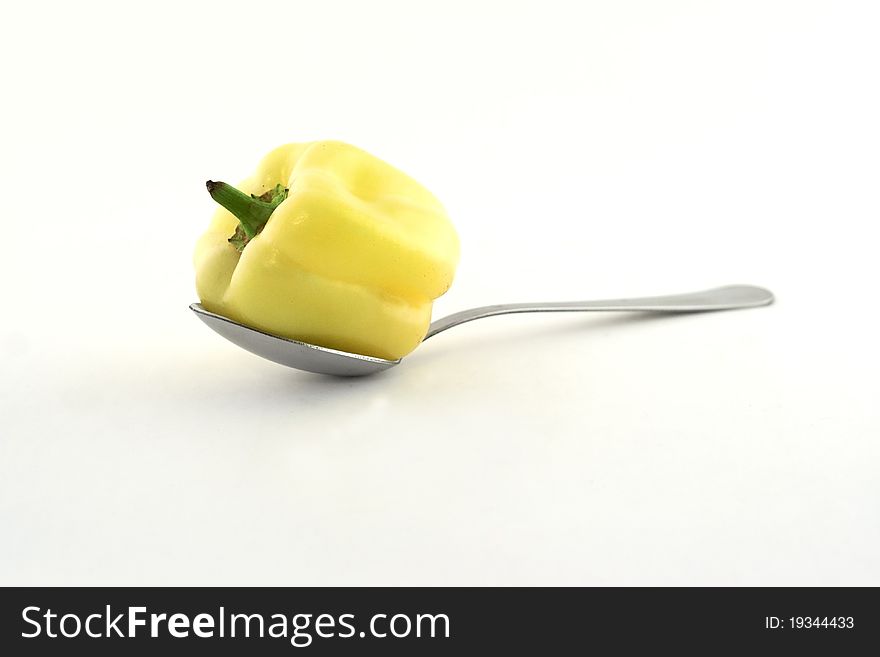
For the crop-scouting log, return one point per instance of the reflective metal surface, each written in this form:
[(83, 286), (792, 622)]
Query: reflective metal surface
[(729, 297), (312, 358), (300, 355)]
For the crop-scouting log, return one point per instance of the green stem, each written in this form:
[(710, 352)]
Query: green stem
[(251, 211)]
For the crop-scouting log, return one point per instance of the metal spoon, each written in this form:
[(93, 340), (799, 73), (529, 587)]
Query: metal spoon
[(312, 358)]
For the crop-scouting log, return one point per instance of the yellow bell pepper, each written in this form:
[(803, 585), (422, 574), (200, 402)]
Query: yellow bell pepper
[(330, 245)]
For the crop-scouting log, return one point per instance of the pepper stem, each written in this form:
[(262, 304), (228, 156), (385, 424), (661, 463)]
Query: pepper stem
[(251, 211)]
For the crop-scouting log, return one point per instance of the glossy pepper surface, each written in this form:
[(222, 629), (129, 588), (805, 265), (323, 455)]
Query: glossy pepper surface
[(330, 245)]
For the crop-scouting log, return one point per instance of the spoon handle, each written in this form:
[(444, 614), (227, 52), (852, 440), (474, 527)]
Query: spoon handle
[(729, 297)]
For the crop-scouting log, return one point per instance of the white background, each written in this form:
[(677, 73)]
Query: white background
[(584, 150)]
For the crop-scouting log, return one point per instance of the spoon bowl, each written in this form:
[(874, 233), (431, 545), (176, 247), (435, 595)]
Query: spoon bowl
[(323, 360), (293, 353)]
